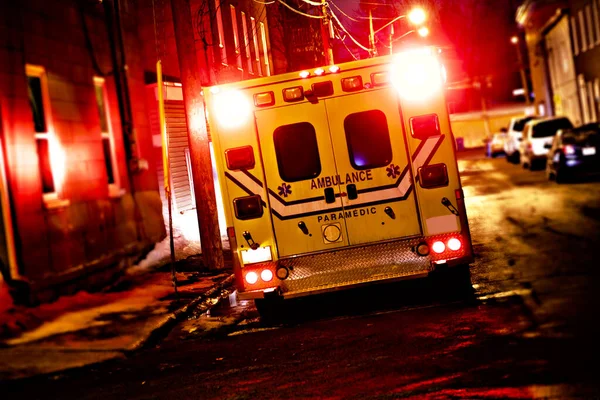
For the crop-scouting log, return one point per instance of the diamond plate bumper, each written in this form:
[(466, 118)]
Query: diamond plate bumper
[(353, 266)]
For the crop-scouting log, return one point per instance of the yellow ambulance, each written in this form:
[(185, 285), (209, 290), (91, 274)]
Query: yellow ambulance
[(340, 176)]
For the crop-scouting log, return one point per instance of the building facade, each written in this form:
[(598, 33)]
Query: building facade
[(563, 40), (80, 200)]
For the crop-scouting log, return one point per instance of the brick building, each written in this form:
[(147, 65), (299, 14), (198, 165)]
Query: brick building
[(78, 189)]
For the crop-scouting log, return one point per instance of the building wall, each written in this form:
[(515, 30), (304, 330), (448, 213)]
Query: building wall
[(562, 71), (86, 227), (219, 61), (585, 34)]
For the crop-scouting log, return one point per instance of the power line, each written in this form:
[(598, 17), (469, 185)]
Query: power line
[(300, 12), (342, 39), (348, 33), (343, 13), (313, 3)]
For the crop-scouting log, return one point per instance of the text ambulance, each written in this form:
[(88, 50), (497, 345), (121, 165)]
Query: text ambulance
[(340, 176)]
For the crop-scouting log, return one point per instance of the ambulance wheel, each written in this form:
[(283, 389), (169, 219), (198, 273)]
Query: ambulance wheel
[(453, 281), (269, 309)]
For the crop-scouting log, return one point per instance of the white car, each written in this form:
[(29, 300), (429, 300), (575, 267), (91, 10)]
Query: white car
[(513, 138), (537, 139)]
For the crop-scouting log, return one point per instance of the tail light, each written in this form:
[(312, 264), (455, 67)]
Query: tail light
[(529, 146), (432, 176), (251, 277), (240, 158), (425, 126), (568, 149), (438, 247), (266, 275), (454, 244), (248, 207)]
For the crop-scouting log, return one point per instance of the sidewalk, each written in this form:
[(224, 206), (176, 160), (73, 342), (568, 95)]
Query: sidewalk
[(88, 328)]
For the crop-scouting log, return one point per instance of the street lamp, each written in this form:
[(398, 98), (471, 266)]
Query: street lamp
[(423, 31), (416, 16), (515, 41)]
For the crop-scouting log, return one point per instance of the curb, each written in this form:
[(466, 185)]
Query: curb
[(154, 334), (164, 326)]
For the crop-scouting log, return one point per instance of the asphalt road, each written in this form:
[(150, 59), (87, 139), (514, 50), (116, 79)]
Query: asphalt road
[(522, 325)]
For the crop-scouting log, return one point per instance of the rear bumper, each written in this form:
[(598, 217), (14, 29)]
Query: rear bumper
[(354, 267)]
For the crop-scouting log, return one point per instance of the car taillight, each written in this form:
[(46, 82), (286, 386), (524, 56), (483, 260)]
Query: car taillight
[(240, 158), (432, 176), (248, 207), (568, 149)]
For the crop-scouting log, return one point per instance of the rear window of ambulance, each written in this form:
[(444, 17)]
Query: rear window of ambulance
[(297, 152), (368, 139)]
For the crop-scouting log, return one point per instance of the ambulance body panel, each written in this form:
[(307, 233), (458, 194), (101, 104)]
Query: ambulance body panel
[(336, 180)]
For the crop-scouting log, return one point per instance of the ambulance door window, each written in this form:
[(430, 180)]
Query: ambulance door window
[(297, 152), (368, 139)]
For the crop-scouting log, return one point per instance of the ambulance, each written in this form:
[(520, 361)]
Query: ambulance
[(338, 177)]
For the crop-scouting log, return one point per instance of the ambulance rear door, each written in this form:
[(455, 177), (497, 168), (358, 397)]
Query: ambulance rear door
[(373, 164), (296, 149)]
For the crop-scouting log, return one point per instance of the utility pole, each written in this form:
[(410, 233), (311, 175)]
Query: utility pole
[(391, 39), (325, 33), (371, 35), (515, 40), (204, 189)]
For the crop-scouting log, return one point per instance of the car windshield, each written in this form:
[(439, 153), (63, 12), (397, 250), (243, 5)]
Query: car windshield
[(549, 128), (520, 124)]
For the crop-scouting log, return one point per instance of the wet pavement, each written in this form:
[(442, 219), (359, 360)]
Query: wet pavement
[(521, 325)]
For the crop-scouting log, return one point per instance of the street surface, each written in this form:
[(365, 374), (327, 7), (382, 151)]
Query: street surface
[(522, 325)]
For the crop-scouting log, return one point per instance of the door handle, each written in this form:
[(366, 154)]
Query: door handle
[(329, 196), (352, 192)]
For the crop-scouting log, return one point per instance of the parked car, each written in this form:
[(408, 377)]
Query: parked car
[(574, 152), (537, 139), (496, 145), (513, 137)]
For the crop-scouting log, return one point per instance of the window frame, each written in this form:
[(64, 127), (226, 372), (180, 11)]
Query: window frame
[(582, 29), (596, 22), (256, 48), (236, 37), (263, 36), (590, 26), (114, 189), (220, 32), (247, 43), (574, 35), (37, 71)]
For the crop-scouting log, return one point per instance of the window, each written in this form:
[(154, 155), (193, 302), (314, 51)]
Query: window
[(247, 43), (590, 27), (590, 92), (582, 30), (39, 103), (220, 32), (263, 36), (549, 128), (583, 98), (255, 42), (107, 139), (596, 22), (368, 139), (236, 37), (574, 35), (297, 152)]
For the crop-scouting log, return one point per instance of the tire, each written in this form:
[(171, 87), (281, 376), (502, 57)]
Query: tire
[(560, 177), (453, 281), (270, 309)]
